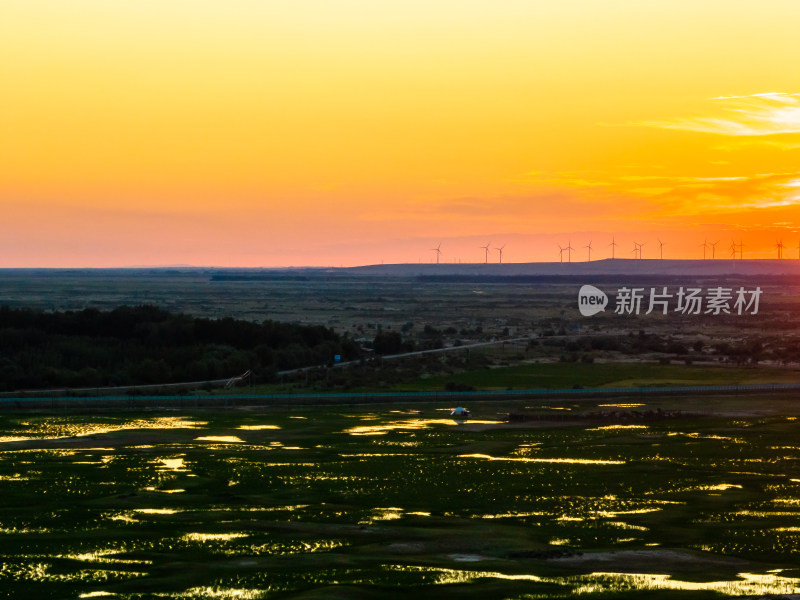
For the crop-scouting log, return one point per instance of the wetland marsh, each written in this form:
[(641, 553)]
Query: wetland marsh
[(588, 497), (388, 501)]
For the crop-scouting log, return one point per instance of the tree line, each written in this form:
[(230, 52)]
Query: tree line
[(139, 345)]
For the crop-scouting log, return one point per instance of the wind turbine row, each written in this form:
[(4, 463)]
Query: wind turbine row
[(499, 250), (637, 250), (568, 249), (486, 249)]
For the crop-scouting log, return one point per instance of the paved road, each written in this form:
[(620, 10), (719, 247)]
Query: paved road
[(420, 353)]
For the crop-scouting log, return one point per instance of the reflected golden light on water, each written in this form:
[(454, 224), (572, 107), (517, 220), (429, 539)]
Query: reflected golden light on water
[(384, 514), (616, 513), (450, 576), (208, 537), (125, 517), (702, 436), (413, 424), (104, 556), (175, 464), (23, 530), (372, 454), (613, 427), (60, 429), (291, 507), (624, 525), (41, 572), (511, 515), (719, 487), (286, 549), (570, 512), (749, 584), (150, 488), (787, 501), (569, 461), (764, 513), (216, 592), (156, 511)]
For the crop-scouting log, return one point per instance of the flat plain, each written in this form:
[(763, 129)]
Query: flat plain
[(670, 496)]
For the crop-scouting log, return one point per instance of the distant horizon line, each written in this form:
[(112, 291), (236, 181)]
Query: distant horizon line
[(415, 264)]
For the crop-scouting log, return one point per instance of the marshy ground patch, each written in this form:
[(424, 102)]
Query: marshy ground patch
[(698, 505)]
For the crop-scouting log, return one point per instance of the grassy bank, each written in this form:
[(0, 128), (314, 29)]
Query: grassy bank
[(568, 375), (562, 375)]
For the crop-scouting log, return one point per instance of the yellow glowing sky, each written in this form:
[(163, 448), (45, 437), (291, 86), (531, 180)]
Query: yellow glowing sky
[(328, 132)]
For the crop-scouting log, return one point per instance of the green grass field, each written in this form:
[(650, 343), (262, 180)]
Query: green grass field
[(396, 502), (562, 375)]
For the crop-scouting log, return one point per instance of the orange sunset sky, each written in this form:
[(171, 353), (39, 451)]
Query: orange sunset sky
[(347, 132)]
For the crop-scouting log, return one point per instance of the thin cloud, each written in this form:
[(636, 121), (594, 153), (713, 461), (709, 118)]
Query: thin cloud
[(757, 115), (792, 201), (723, 194), (605, 196), (779, 96)]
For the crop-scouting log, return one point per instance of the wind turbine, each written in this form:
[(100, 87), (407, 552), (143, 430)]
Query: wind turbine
[(486, 247), (438, 251), (741, 250), (640, 250), (733, 250), (779, 246), (590, 250), (635, 250), (560, 253), (661, 249), (569, 250), (704, 245), (714, 249), (613, 245), (500, 250)]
